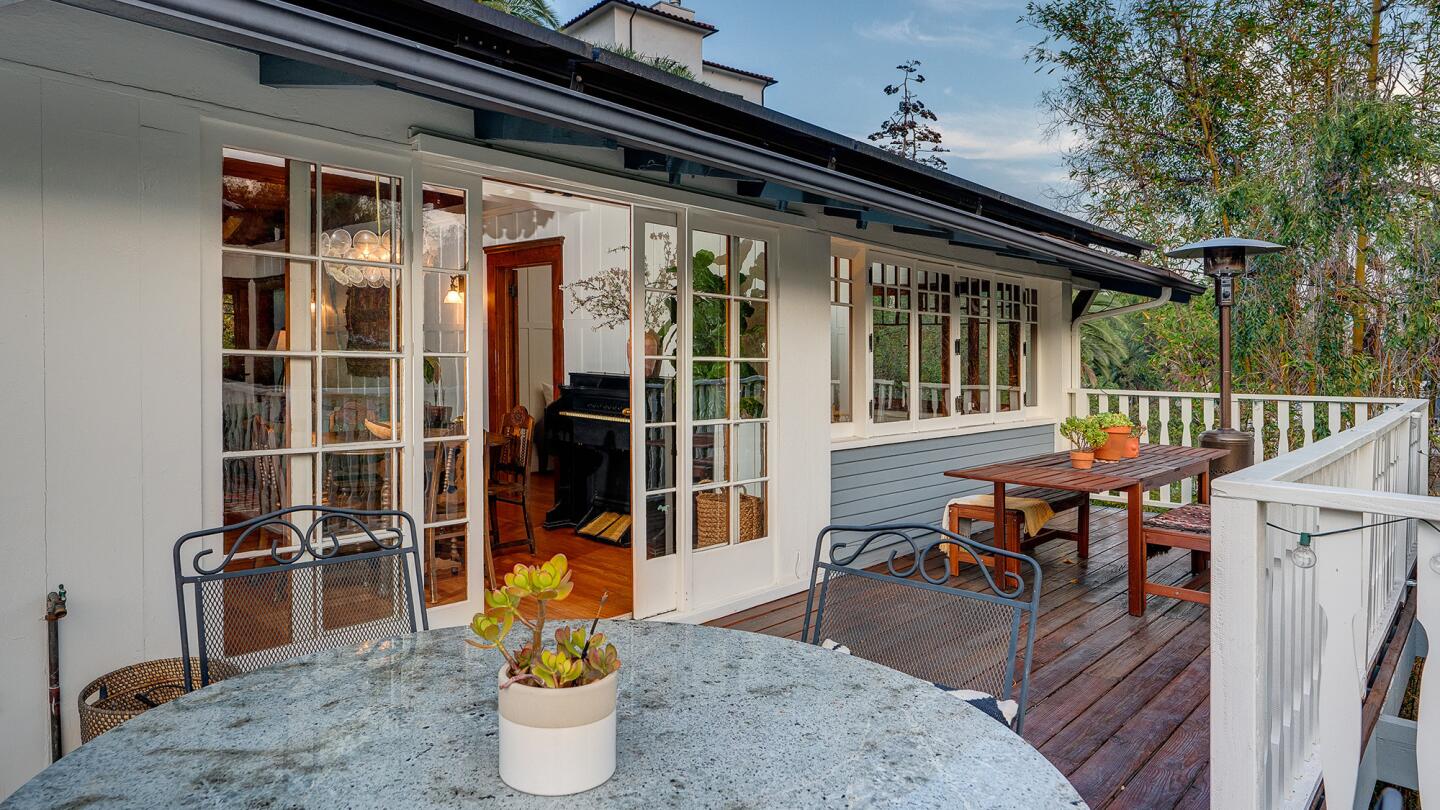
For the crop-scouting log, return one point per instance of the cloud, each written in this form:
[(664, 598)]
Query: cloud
[(907, 31), (1016, 133)]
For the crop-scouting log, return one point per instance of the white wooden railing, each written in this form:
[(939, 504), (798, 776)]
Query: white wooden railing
[(1284, 422), (1292, 646)]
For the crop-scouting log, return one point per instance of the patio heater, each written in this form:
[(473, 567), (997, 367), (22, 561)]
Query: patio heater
[(1225, 258)]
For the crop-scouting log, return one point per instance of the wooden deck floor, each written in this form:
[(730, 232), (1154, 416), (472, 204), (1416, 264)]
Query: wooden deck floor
[(1119, 704)]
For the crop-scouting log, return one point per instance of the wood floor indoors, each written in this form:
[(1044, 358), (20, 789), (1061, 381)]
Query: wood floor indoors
[(599, 567), (1119, 703)]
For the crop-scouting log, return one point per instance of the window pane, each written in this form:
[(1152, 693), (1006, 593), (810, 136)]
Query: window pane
[(974, 365), (712, 327), (445, 471), (659, 526), (753, 394), (754, 337), (266, 202), (359, 213), (708, 447), (1032, 371), (359, 479), (442, 211), (444, 312), (751, 451), (660, 390), (445, 560), (257, 485), (358, 306), (750, 265), (659, 458), (891, 366), (934, 366), (444, 396), (257, 399), (660, 331), (710, 265), (262, 297), (659, 256), (1007, 362), (839, 364), (355, 399), (711, 390), (712, 518), (754, 510)]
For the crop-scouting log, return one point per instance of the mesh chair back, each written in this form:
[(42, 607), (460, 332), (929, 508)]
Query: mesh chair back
[(293, 582), (908, 613)]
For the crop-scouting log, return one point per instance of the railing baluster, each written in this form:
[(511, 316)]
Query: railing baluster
[(1342, 655), (1307, 420), (1282, 422), (1257, 431), (1208, 411), (1333, 412), (1427, 612)]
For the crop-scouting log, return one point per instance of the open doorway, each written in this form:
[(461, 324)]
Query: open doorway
[(558, 325)]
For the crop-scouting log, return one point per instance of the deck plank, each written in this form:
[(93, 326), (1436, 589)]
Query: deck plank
[(1118, 703)]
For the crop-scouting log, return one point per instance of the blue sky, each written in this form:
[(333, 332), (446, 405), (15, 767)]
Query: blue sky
[(832, 58)]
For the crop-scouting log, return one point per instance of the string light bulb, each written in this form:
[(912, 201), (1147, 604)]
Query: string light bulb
[(1303, 555), (455, 295)]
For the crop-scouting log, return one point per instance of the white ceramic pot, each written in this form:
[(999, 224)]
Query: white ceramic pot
[(554, 742)]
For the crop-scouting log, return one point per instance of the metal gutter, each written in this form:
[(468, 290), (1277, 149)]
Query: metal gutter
[(268, 26)]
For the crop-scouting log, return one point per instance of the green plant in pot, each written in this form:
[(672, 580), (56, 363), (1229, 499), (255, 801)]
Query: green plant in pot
[(1117, 426), (556, 704), (1086, 436)]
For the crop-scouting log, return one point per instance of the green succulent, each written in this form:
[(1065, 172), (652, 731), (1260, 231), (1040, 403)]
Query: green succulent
[(578, 658), (1111, 420), (1083, 432)]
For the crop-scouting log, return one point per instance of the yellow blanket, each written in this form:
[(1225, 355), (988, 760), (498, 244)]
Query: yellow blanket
[(1037, 512)]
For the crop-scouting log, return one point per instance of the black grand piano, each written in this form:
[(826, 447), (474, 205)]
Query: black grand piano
[(587, 431)]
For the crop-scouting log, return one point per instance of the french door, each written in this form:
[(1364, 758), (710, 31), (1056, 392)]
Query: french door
[(702, 345)]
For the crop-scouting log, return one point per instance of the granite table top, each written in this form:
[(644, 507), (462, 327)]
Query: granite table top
[(707, 718)]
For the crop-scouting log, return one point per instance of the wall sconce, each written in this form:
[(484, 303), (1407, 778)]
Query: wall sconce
[(455, 295)]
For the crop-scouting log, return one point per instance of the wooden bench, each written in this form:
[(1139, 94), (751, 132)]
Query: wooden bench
[(961, 517), (1186, 527)]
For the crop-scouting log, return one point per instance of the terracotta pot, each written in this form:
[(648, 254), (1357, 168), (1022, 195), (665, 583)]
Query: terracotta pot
[(1114, 447), (554, 742), (1132, 446), (1081, 460)]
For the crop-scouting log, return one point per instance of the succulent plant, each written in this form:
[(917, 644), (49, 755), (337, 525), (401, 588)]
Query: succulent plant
[(578, 658), (1111, 420), (1083, 432)]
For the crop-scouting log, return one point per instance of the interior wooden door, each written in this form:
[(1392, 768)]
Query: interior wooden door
[(502, 301)]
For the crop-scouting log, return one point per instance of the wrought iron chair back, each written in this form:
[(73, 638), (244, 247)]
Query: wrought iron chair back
[(292, 582), (910, 614)]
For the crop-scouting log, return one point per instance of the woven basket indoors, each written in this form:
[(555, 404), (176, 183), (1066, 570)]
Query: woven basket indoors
[(712, 517), (131, 691)]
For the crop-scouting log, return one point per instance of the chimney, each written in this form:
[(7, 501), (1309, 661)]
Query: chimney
[(673, 8)]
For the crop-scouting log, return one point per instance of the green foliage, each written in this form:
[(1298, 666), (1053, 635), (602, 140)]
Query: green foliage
[(1280, 119), (539, 12), (1111, 420), (1083, 432), (665, 63), (576, 659), (907, 132)]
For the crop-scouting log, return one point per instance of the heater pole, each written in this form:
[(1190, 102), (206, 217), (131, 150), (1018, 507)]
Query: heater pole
[(55, 610)]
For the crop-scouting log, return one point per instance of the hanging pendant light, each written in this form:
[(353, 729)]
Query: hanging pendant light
[(455, 295)]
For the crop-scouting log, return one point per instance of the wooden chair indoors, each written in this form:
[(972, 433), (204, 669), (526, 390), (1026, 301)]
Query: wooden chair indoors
[(510, 474)]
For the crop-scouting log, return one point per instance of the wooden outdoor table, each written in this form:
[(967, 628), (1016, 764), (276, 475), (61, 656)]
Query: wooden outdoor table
[(1158, 465)]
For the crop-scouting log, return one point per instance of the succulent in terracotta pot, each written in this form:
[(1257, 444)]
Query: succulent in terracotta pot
[(1086, 436), (1117, 426)]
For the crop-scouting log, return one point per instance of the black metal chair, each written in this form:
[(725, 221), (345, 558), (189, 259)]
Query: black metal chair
[(912, 615), (266, 590)]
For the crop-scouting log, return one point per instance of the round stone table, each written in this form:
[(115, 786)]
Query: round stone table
[(707, 718)]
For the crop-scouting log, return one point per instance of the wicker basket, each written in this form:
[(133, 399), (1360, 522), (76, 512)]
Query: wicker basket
[(130, 691), (712, 517)]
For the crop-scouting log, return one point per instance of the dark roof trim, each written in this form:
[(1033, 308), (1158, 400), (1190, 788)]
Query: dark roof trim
[(706, 27), (269, 26), (769, 80)]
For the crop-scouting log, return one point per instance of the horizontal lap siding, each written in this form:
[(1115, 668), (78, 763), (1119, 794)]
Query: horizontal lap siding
[(905, 482)]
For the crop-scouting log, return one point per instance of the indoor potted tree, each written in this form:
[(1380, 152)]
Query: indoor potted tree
[(1086, 436), (556, 705), (1117, 426)]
